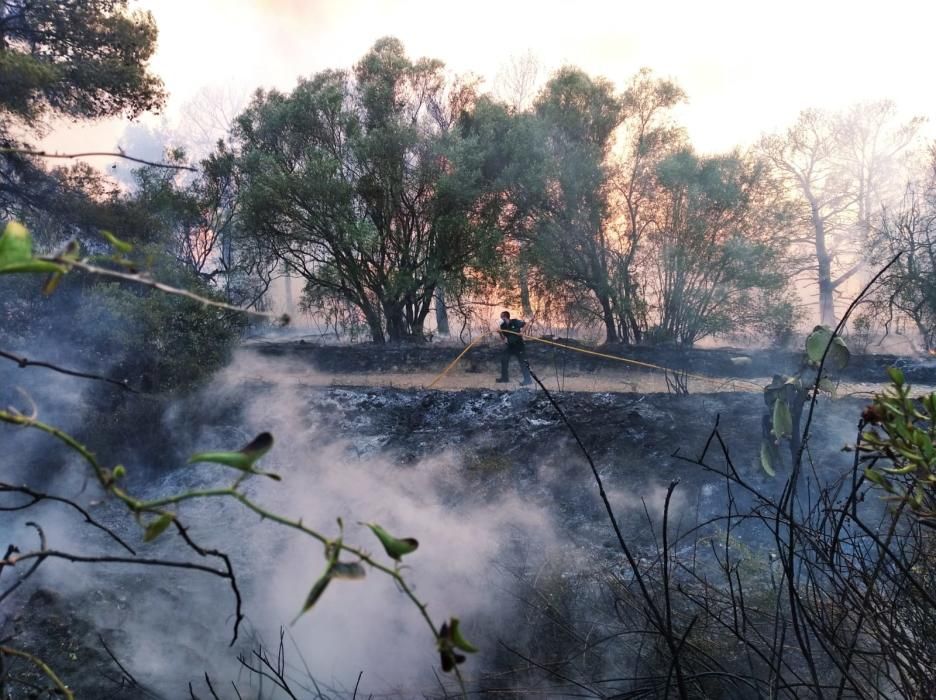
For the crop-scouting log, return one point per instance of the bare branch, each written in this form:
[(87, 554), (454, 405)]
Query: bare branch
[(24, 362), (95, 154)]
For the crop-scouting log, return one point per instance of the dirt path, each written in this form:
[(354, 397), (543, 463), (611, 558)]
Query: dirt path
[(590, 382)]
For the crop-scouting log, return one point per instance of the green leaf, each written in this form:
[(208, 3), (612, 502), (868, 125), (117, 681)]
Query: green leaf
[(458, 640), (52, 281), (876, 478), (157, 527), (821, 337), (238, 460), (15, 244), (32, 266), (766, 458), (116, 243), (258, 447), (318, 589), (332, 550), (782, 420), (16, 252), (395, 548), (839, 354), (896, 375), (243, 459)]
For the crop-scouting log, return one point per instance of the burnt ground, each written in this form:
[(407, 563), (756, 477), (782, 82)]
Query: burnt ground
[(639, 442), (501, 441)]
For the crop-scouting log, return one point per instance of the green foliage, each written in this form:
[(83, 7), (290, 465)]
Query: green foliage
[(16, 252), (837, 356), (117, 244), (719, 254), (332, 551), (84, 59), (395, 548), (158, 526), (156, 341), (576, 116), (782, 424), (244, 459), (450, 641), (364, 184), (785, 396), (899, 444)]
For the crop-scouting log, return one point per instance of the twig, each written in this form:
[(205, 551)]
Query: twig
[(25, 362), (356, 684), (96, 154), (210, 687), (37, 496), (238, 601), (61, 688), (146, 281), (631, 559)]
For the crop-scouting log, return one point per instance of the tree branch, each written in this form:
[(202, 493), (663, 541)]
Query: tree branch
[(24, 362), (95, 154)]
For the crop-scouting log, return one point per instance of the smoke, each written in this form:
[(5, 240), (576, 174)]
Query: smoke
[(170, 627), (507, 546)]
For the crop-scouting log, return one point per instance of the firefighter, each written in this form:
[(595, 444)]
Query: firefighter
[(510, 329)]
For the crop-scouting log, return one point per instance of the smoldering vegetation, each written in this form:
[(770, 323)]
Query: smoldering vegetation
[(513, 538)]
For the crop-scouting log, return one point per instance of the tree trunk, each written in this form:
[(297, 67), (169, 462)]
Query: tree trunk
[(287, 291), (441, 312), (608, 313), (374, 324), (525, 305), (396, 322), (824, 266), (826, 288)]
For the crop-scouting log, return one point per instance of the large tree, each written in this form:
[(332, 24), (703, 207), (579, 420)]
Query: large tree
[(839, 169), (364, 184), (647, 136), (579, 115), (718, 260)]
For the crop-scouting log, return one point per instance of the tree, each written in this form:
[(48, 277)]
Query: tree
[(646, 137), (518, 81), (363, 184), (838, 165), (80, 59), (83, 59), (718, 251), (579, 115), (910, 290), (516, 85)]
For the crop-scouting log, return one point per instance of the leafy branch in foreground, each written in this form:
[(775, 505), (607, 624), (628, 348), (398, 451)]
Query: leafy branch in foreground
[(155, 516), (16, 256), (901, 435)]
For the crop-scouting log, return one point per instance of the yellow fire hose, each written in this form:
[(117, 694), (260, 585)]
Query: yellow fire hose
[(637, 363)]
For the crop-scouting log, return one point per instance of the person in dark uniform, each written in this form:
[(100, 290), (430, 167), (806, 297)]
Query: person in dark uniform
[(513, 347)]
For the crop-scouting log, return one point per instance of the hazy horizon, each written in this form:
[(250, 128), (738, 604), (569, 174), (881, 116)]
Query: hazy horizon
[(747, 69)]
